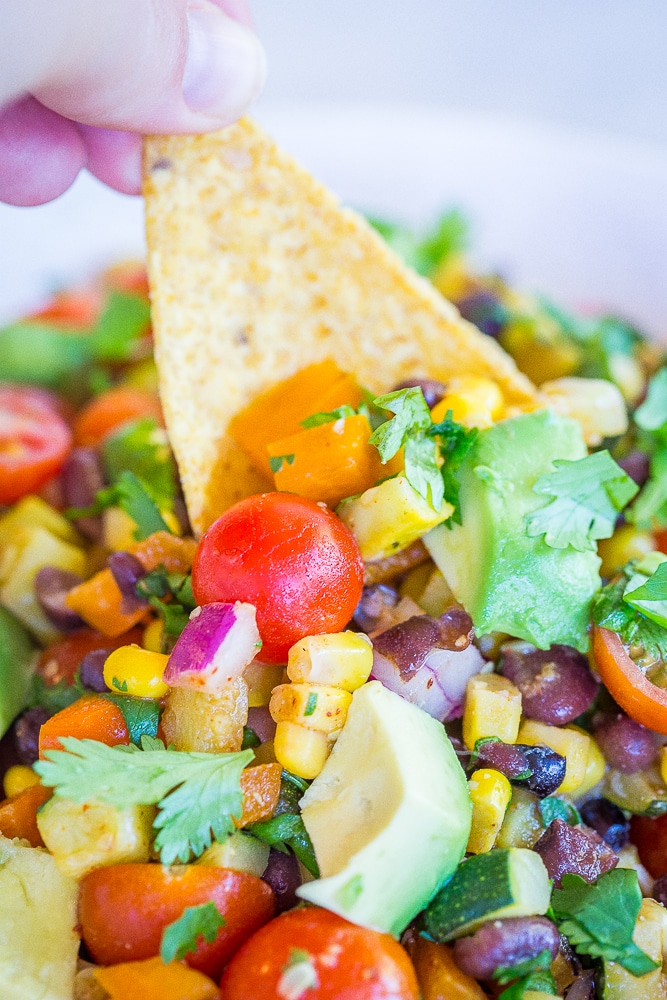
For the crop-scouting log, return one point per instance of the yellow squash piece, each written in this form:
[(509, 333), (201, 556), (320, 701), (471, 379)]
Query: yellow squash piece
[(492, 708)]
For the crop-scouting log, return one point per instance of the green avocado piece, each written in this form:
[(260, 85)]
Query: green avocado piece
[(17, 663), (506, 580)]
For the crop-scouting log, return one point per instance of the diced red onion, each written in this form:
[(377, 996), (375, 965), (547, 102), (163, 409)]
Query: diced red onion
[(214, 648)]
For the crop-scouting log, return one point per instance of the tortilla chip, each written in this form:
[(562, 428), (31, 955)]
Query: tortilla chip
[(255, 272)]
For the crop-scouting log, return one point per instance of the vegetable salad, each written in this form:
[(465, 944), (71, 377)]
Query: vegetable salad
[(393, 729)]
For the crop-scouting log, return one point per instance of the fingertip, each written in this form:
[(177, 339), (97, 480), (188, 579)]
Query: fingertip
[(114, 157), (41, 153)]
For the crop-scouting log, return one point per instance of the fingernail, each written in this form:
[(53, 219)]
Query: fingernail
[(225, 67)]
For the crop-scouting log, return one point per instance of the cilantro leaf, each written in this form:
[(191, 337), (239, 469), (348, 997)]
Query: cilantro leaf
[(142, 448), (131, 495), (124, 319), (407, 430), (53, 697), (650, 597), (609, 610), (599, 919), (287, 830), (552, 808), (540, 982), (171, 596), (197, 794), (455, 442), (277, 461), (340, 413), (539, 963), (182, 936), (652, 414), (142, 715), (587, 496), (650, 507)]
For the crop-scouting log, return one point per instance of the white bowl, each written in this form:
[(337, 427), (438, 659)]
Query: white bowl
[(578, 217)]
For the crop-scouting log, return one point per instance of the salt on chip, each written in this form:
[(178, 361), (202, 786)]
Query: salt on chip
[(257, 271)]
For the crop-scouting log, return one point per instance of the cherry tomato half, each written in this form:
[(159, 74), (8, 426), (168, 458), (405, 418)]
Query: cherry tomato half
[(338, 961), (34, 441), (629, 687), (123, 910), (290, 557)]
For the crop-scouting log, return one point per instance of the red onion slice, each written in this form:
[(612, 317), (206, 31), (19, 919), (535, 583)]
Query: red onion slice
[(439, 685), (214, 648)]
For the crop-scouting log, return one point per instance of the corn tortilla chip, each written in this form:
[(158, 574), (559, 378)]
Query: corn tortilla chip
[(255, 272)]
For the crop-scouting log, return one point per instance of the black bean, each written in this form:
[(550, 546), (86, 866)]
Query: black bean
[(627, 745), (505, 943), (547, 769), (51, 588), (432, 389), (556, 684), (283, 875), (660, 890), (485, 310), (91, 670), (26, 734), (375, 601), (607, 820), (575, 849), (82, 479)]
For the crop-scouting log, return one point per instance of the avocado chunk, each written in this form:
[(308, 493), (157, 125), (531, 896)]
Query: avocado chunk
[(507, 580), (38, 917), (389, 814), (17, 664)]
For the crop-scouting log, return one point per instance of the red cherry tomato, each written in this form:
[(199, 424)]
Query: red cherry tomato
[(290, 557), (341, 961), (123, 910), (34, 441), (649, 835), (629, 687)]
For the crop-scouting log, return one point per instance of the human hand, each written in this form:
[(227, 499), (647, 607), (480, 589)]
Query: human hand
[(82, 80)]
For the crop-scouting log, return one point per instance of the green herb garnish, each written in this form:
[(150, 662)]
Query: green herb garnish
[(183, 936)]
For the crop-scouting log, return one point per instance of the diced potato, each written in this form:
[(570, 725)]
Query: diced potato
[(573, 744), (38, 938), (389, 517), (30, 549), (240, 851), (84, 836), (196, 721), (492, 708), (490, 794)]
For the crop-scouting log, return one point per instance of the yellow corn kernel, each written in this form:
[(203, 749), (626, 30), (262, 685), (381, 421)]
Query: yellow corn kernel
[(342, 660), (492, 708), (172, 522), (596, 766), (17, 778), (490, 794), (118, 529), (261, 679), (574, 745), (153, 636), (314, 706), (136, 671), (473, 400), (301, 751), (625, 544), (663, 764)]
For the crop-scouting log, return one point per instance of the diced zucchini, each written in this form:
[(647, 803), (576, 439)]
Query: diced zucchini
[(38, 939), (644, 793), (29, 550), (240, 851), (493, 886), (84, 836), (17, 664), (522, 826), (619, 984), (389, 517)]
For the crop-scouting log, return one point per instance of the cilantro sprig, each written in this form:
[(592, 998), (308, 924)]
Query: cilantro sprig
[(130, 494), (650, 508), (198, 795), (170, 594), (588, 494), (599, 919), (531, 974), (286, 830), (455, 442), (611, 610), (183, 935)]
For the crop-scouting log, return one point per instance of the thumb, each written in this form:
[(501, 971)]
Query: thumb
[(136, 65)]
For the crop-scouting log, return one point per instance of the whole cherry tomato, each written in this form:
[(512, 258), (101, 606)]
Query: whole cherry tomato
[(34, 441), (123, 910), (649, 835), (290, 557), (330, 958), (627, 684)]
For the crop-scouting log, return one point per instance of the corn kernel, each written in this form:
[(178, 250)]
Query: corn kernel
[(492, 708), (301, 751), (136, 671), (153, 636), (473, 400), (596, 766), (490, 794), (342, 660), (261, 679), (314, 706), (572, 744), (18, 778), (118, 529), (625, 544), (663, 764)]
